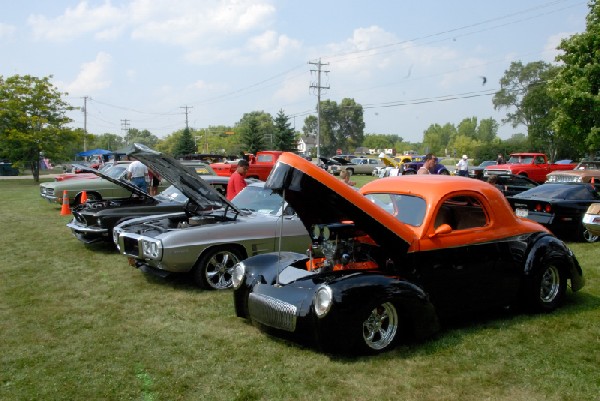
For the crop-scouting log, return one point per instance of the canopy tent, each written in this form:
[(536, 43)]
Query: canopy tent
[(95, 152)]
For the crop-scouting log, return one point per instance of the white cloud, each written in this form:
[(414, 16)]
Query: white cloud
[(271, 47), (92, 76), (292, 90), (190, 23), (550, 48), (6, 31), (103, 21)]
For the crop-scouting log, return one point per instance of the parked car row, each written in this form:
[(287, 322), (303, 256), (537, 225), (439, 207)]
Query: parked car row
[(357, 270)]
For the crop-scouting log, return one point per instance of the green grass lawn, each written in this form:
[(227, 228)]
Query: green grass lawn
[(78, 323)]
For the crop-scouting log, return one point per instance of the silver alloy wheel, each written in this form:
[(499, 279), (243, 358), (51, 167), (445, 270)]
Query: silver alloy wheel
[(219, 268), (550, 284), (588, 237), (381, 326)]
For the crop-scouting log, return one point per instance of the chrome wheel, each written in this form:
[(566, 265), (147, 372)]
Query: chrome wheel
[(550, 284), (380, 327), (215, 269), (589, 237)]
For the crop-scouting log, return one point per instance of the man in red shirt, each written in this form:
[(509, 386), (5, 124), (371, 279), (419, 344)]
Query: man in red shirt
[(237, 180)]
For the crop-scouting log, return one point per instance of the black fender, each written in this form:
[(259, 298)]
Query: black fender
[(261, 268), (546, 247), (357, 293)]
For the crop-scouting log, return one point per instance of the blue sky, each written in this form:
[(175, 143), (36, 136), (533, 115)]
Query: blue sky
[(409, 63)]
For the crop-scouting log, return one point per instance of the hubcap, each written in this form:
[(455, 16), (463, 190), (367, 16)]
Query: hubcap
[(550, 284), (379, 329), (589, 237), (219, 269)]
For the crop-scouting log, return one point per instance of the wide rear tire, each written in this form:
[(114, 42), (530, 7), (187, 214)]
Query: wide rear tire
[(548, 287)]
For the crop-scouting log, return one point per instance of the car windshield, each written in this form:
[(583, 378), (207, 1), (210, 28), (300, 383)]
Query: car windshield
[(258, 199), (172, 194), (520, 160), (558, 191), (588, 166), (116, 172), (408, 209)]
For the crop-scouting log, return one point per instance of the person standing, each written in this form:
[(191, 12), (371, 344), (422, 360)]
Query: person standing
[(154, 179), (237, 181), (500, 159), (137, 173), (463, 166), (427, 165), (345, 177)]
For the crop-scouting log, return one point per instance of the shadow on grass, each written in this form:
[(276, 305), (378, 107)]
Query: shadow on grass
[(452, 333), (178, 281)]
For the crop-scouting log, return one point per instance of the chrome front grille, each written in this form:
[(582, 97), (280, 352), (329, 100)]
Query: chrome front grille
[(272, 312), (566, 178), (130, 246), (47, 191)]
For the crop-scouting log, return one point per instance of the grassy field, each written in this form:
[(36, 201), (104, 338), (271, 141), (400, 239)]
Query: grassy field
[(78, 323)]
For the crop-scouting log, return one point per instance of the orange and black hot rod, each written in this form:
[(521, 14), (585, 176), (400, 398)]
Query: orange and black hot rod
[(396, 258)]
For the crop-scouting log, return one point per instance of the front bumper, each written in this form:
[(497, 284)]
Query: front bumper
[(88, 234)]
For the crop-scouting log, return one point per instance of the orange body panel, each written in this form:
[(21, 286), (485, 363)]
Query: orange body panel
[(434, 189)]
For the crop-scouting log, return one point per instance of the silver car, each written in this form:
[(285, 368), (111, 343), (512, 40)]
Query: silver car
[(213, 234)]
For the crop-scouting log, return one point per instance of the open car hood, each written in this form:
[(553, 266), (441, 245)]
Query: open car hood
[(125, 184), (320, 198), (182, 177), (340, 160)]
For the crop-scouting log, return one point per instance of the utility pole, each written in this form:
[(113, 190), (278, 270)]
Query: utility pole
[(186, 114), (125, 128), (318, 87), (85, 98)]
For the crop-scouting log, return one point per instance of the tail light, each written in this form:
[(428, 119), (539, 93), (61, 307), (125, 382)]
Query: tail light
[(547, 208)]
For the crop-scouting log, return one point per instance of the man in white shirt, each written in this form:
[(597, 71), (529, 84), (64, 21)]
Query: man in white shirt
[(137, 173), (463, 166)]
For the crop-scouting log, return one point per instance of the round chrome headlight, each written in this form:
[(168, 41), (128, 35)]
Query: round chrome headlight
[(151, 249), (323, 300), (316, 231), (237, 277)]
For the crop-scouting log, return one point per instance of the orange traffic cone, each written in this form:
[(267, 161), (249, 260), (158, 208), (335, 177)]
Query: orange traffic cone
[(65, 210), (83, 197)]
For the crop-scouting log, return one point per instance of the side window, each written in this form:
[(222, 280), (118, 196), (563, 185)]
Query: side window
[(265, 158), (461, 213)]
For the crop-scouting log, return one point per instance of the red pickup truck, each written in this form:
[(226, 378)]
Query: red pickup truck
[(532, 165), (260, 167)]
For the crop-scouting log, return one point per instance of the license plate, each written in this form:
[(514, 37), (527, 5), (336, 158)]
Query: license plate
[(522, 213)]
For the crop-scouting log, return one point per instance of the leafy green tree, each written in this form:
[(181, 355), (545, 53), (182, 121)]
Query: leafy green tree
[(437, 139), (310, 126), (284, 135), (525, 89), (167, 144), (33, 121), (342, 127), (487, 130), (256, 131), (107, 141), (145, 137), (351, 124), (185, 144), (378, 141), (253, 139), (467, 127), (577, 85)]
